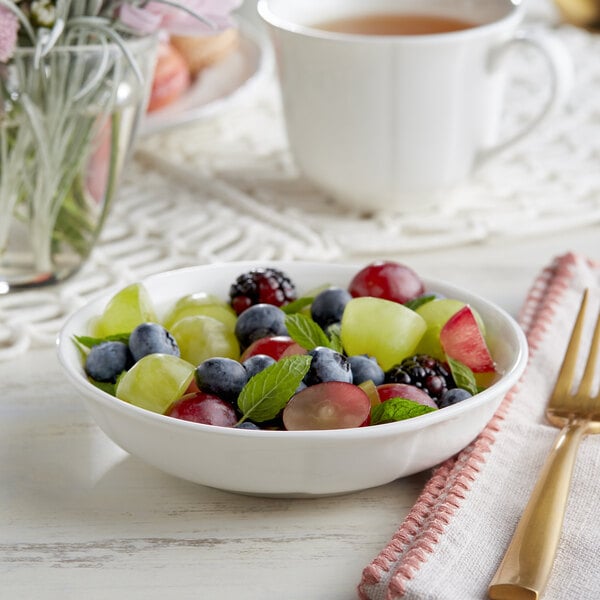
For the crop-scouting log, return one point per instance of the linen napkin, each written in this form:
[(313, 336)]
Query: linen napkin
[(452, 541)]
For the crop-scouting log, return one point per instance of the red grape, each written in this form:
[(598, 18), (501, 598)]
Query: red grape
[(204, 408), (403, 390), (276, 347), (388, 280), (329, 405)]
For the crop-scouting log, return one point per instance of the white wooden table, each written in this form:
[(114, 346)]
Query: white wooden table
[(80, 519)]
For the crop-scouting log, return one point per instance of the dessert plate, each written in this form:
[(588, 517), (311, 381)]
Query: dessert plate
[(218, 86)]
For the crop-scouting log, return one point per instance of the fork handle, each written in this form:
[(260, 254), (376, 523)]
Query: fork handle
[(526, 566)]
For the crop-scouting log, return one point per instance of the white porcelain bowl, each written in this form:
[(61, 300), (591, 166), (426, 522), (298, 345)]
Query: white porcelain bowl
[(292, 463)]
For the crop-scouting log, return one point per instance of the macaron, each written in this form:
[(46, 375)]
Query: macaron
[(171, 77), (203, 51)]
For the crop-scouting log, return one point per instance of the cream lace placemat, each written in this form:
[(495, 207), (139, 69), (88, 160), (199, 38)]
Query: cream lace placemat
[(227, 189)]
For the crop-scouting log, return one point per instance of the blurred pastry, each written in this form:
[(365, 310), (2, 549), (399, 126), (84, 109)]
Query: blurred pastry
[(171, 77), (200, 52), (581, 13)]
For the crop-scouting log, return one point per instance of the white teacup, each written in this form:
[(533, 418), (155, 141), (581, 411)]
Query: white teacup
[(395, 121)]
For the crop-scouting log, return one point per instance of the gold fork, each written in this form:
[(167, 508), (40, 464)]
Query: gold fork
[(526, 566)]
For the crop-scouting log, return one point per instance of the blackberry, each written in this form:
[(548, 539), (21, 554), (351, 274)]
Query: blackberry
[(424, 372), (261, 286)]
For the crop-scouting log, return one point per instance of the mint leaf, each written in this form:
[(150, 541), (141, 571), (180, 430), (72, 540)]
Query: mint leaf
[(335, 339), (417, 302), (397, 409), (109, 388), (304, 331), (462, 375), (297, 305), (268, 392), (90, 342), (83, 350)]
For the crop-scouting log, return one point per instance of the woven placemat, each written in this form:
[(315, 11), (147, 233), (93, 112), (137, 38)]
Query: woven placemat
[(227, 188)]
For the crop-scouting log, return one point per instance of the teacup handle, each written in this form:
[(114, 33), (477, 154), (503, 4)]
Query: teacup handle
[(560, 68)]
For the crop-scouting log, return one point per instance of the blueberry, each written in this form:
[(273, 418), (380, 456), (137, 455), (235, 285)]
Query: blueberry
[(257, 363), (151, 338), (223, 377), (328, 306), (247, 425), (453, 396), (259, 321), (327, 365), (365, 368), (106, 361)]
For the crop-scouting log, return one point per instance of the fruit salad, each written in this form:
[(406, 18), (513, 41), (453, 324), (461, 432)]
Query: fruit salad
[(266, 356)]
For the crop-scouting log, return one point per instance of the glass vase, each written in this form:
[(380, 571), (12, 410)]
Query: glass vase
[(67, 124)]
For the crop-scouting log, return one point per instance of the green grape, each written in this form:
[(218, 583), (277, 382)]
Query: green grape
[(201, 304), (381, 328), (201, 337), (436, 313), (155, 382), (125, 311)]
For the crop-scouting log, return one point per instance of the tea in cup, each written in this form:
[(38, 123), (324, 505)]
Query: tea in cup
[(389, 104)]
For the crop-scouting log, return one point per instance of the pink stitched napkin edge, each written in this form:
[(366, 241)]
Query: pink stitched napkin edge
[(415, 540)]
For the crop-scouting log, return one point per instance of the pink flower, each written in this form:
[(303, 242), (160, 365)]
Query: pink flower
[(139, 19), (177, 21), (9, 25)]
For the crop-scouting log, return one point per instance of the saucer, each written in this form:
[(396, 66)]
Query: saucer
[(218, 86)]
